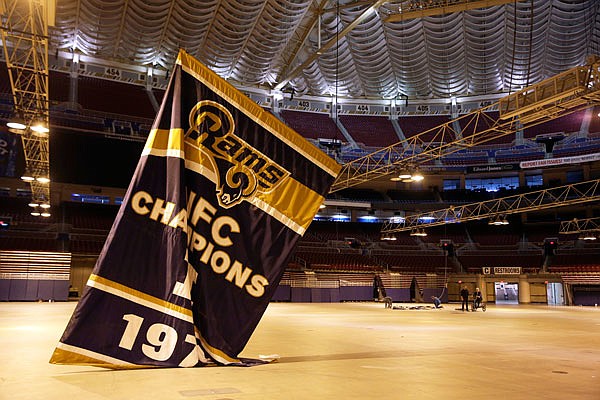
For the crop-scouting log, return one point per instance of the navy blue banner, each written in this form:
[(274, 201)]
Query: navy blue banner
[(221, 195)]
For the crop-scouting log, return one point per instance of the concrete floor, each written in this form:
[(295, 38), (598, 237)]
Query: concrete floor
[(336, 351)]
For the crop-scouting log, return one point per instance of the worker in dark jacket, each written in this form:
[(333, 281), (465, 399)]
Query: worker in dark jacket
[(464, 295)]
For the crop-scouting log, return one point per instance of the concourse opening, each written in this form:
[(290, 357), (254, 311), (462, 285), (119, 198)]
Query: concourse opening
[(506, 293), (555, 294)]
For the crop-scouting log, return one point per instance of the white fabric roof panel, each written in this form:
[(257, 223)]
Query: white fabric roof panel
[(259, 42)]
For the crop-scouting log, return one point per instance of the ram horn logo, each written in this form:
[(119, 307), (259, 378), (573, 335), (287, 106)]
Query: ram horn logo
[(241, 170)]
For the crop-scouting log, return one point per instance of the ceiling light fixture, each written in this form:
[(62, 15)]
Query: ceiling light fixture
[(388, 236), (417, 177), (27, 177), (418, 232), (499, 220), (39, 126), (407, 176), (17, 124), (588, 236)]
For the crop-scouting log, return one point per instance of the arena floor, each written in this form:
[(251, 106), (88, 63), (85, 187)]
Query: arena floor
[(336, 351)]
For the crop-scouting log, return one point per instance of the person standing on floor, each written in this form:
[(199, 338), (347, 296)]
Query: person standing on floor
[(464, 295)]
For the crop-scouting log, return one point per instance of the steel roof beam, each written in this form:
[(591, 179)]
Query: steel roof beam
[(577, 193), (580, 225), (572, 90), (420, 9), (329, 44), (25, 42)]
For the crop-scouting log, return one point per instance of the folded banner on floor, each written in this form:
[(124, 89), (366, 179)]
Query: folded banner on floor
[(221, 194)]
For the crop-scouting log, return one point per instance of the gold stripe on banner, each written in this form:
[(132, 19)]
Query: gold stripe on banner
[(72, 355), (290, 202), (257, 113), (165, 143), (217, 354), (140, 298)]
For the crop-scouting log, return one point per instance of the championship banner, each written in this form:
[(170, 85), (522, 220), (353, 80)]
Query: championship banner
[(221, 194)]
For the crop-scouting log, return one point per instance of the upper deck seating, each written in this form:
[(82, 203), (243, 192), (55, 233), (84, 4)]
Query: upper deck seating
[(370, 130), (114, 97), (566, 124), (311, 125), (414, 125)]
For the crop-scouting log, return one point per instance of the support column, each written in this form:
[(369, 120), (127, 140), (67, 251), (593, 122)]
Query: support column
[(73, 86), (524, 290), (73, 83), (353, 215)]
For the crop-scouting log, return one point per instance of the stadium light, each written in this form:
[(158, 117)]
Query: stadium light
[(16, 123), (418, 232), (388, 236), (588, 236), (27, 176), (404, 175), (39, 127), (417, 176), (498, 221), (407, 176)]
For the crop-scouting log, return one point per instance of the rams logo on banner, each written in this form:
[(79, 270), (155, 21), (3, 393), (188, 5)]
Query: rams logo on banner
[(241, 169)]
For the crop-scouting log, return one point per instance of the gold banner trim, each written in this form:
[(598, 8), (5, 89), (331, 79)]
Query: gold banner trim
[(140, 298)]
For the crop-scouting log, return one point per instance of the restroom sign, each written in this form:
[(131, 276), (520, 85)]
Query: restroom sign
[(501, 270)]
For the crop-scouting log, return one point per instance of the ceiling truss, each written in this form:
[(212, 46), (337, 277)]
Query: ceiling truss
[(25, 43), (574, 194), (420, 9), (580, 226), (570, 91), (370, 8)]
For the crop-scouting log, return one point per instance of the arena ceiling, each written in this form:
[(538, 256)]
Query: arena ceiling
[(350, 48)]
